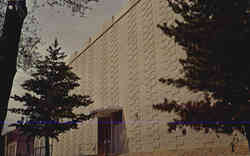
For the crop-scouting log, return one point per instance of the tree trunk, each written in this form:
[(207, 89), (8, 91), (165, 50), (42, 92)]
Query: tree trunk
[(13, 23), (47, 146), (2, 145), (27, 146)]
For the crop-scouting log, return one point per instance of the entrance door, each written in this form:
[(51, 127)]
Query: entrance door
[(104, 136), (111, 134), (117, 133)]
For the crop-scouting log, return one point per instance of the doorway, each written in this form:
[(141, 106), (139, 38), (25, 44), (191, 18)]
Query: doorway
[(111, 134)]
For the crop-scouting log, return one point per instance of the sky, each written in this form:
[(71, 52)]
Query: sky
[(71, 32)]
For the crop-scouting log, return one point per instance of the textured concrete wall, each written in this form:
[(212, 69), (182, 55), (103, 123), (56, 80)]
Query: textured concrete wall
[(120, 67)]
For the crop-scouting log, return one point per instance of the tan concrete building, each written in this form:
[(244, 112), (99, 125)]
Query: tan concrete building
[(119, 69)]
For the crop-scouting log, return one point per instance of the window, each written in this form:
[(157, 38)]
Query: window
[(12, 149), (39, 149)]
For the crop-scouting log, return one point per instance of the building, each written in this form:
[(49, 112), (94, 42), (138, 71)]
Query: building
[(119, 69), (17, 145), (39, 147)]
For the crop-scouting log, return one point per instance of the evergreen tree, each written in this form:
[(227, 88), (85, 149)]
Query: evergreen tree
[(215, 36), (49, 105), (22, 54)]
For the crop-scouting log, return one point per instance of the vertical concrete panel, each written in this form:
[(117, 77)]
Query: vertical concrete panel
[(164, 45), (63, 145), (125, 80), (81, 139), (74, 138), (122, 32), (70, 143), (90, 138), (149, 74), (90, 61), (95, 74), (133, 105), (60, 146), (67, 144), (77, 142), (87, 131), (114, 65), (98, 74), (105, 71), (83, 73), (84, 142)]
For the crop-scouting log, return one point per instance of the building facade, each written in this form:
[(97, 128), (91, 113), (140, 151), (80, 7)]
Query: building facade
[(120, 68), (17, 144)]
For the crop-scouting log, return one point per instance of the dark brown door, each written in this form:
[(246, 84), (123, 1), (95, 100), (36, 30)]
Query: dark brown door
[(117, 133), (104, 136)]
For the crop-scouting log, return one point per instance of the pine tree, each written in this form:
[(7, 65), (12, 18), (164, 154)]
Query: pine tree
[(49, 104), (215, 36)]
